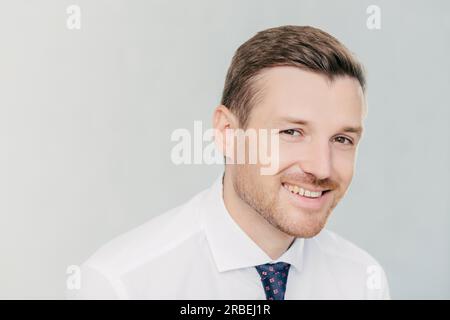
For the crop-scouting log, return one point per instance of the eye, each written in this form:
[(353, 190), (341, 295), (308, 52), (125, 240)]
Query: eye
[(292, 132), (343, 140)]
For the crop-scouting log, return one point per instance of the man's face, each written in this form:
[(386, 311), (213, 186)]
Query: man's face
[(317, 123)]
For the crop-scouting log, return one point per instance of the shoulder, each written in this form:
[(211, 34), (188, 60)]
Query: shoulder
[(171, 235), (337, 247), (353, 269)]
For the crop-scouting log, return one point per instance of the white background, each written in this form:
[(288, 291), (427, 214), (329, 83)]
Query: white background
[(86, 117)]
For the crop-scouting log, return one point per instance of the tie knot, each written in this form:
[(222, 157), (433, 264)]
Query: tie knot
[(269, 269), (274, 278)]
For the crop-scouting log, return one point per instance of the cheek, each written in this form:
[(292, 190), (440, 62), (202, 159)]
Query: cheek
[(267, 183), (290, 154), (343, 167), (342, 161)]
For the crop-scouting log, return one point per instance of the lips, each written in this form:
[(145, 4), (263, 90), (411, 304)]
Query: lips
[(307, 192), (316, 200)]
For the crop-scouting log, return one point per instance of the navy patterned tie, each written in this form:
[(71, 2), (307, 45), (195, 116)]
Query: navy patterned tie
[(274, 279)]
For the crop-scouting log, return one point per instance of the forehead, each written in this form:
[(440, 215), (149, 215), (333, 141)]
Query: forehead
[(290, 92)]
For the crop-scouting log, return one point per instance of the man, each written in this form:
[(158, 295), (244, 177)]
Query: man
[(253, 235)]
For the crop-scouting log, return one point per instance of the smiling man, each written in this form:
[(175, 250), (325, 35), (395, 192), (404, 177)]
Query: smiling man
[(255, 236)]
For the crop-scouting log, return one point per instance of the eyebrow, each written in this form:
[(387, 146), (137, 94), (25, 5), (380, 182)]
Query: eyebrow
[(357, 130)]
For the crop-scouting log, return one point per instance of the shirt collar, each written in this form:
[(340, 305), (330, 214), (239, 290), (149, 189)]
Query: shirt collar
[(231, 247)]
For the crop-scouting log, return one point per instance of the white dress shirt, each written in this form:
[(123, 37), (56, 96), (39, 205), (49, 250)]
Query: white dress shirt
[(197, 251)]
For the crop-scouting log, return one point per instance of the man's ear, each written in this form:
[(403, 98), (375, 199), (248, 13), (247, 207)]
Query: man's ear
[(224, 124)]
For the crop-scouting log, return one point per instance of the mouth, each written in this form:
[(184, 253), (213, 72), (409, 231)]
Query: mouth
[(306, 198)]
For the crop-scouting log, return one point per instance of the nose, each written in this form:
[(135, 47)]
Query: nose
[(317, 160)]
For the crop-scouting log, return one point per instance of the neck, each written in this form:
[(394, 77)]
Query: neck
[(270, 239)]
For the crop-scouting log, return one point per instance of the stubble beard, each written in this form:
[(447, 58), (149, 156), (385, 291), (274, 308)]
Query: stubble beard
[(267, 204)]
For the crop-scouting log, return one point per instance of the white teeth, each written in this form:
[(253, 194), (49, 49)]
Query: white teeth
[(303, 192)]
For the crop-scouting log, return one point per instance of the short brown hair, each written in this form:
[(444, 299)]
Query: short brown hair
[(300, 46)]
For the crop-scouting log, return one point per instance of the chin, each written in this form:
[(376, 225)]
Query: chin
[(304, 224), (304, 232), (309, 233)]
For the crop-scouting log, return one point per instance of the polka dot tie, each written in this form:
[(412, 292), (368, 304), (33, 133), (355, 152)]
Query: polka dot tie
[(274, 279)]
